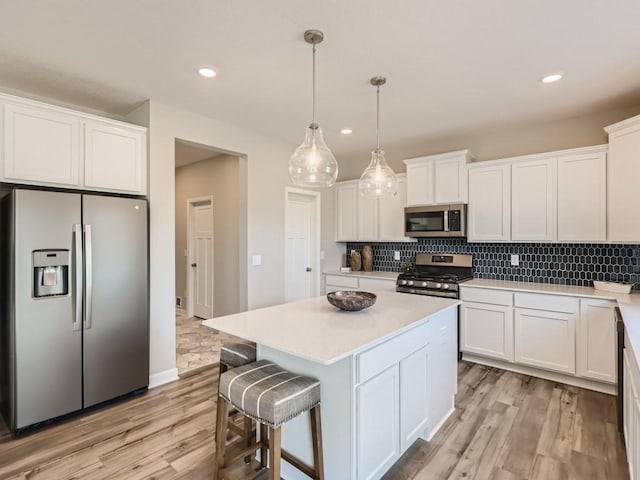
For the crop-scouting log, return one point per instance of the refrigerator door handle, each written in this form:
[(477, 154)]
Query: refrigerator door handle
[(88, 272), (78, 290)]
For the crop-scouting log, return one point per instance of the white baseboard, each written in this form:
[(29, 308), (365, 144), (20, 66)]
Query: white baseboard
[(434, 430), (181, 312), (161, 378), (547, 375)]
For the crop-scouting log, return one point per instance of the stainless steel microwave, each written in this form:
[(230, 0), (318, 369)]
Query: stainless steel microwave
[(436, 221)]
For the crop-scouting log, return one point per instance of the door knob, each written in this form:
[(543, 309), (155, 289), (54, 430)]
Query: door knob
[(308, 269), (194, 265)]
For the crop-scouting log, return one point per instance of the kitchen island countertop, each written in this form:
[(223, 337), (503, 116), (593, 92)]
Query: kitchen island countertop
[(315, 330)]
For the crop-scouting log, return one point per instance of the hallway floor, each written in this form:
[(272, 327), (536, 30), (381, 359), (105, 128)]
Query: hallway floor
[(197, 345)]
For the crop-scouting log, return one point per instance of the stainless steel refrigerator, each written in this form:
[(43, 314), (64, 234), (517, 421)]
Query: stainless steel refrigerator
[(75, 314)]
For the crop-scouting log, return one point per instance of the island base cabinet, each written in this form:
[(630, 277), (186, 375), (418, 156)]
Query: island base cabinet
[(377, 422), (545, 339), (414, 394), (631, 413), (487, 330)]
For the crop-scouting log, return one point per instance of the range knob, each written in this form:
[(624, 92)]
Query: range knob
[(403, 282), (410, 283), (424, 284), (446, 286), (438, 285)]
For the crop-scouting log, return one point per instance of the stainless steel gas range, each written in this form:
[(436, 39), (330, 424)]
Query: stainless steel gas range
[(437, 275)]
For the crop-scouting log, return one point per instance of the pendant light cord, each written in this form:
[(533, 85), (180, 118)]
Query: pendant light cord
[(378, 118), (313, 109)]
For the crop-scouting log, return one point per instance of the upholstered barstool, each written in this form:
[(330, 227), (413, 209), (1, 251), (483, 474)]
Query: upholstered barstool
[(233, 355), (270, 395)]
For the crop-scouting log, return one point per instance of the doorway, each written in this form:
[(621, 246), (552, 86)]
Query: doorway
[(302, 248), (210, 242), (200, 254)]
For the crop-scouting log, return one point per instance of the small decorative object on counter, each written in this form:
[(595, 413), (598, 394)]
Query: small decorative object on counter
[(367, 258), (356, 261), (406, 267), (351, 301)]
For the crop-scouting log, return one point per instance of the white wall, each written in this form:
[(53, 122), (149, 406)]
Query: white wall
[(216, 177), (492, 143), (267, 177)]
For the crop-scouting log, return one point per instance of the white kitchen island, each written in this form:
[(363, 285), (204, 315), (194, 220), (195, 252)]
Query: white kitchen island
[(388, 374)]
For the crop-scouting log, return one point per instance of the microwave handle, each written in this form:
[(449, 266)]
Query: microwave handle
[(446, 220)]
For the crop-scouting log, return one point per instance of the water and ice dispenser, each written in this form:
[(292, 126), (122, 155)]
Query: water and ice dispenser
[(50, 273)]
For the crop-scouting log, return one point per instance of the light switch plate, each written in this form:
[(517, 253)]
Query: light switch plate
[(256, 260), (396, 255), (515, 260)]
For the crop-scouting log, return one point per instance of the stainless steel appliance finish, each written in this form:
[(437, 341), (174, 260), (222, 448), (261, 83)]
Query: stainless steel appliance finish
[(436, 221), (436, 275), (67, 351), (620, 370)]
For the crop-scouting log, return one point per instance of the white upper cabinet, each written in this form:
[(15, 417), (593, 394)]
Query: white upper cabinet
[(419, 182), (346, 211), (391, 219), (40, 146), (489, 212), (623, 171), (368, 219), (451, 184), (547, 197), (114, 157), (533, 200), (582, 197), (437, 178), (53, 146)]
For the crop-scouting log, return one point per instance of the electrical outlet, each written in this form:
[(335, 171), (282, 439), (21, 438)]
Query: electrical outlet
[(396, 255), (515, 260)]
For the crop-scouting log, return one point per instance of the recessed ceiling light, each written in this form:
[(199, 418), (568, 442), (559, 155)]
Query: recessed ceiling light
[(346, 131), (554, 77), (207, 72)]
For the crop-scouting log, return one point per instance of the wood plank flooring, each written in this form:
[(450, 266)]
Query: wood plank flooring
[(506, 426)]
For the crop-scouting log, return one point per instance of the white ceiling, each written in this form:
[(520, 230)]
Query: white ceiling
[(452, 66)]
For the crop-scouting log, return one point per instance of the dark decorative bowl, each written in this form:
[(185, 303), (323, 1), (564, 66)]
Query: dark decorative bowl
[(350, 300)]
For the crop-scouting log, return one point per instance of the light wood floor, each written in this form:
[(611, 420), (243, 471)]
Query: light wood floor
[(506, 426)]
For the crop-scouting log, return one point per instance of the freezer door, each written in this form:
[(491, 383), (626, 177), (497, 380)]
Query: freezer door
[(116, 323), (48, 341)]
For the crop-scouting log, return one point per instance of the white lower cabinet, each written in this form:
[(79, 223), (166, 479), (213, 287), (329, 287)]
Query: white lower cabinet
[(487, 330), (333, 283), (556, 333), (414, 387), (405, 389), (377, 424), (631, 414), (545, 339), (597, 340)]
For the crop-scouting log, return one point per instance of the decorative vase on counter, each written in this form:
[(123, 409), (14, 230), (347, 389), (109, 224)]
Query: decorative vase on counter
[(367, 258), (356, 261)]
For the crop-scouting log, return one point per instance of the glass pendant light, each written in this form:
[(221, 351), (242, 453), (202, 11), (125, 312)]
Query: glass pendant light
[(312, 164), (378, 178)]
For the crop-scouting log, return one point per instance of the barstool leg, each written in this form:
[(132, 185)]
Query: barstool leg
[(316, 436), (263, 449), (275, 444), (247, 427), (222, 419)]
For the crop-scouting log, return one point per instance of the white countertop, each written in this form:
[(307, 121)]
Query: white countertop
[(547, 288), (315, 330), (362, 274)]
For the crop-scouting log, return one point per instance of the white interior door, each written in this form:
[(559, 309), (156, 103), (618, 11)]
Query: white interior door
[(202, 260), (301, 246)]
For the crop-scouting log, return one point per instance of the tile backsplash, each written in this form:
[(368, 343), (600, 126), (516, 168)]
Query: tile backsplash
[(558, 263)]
